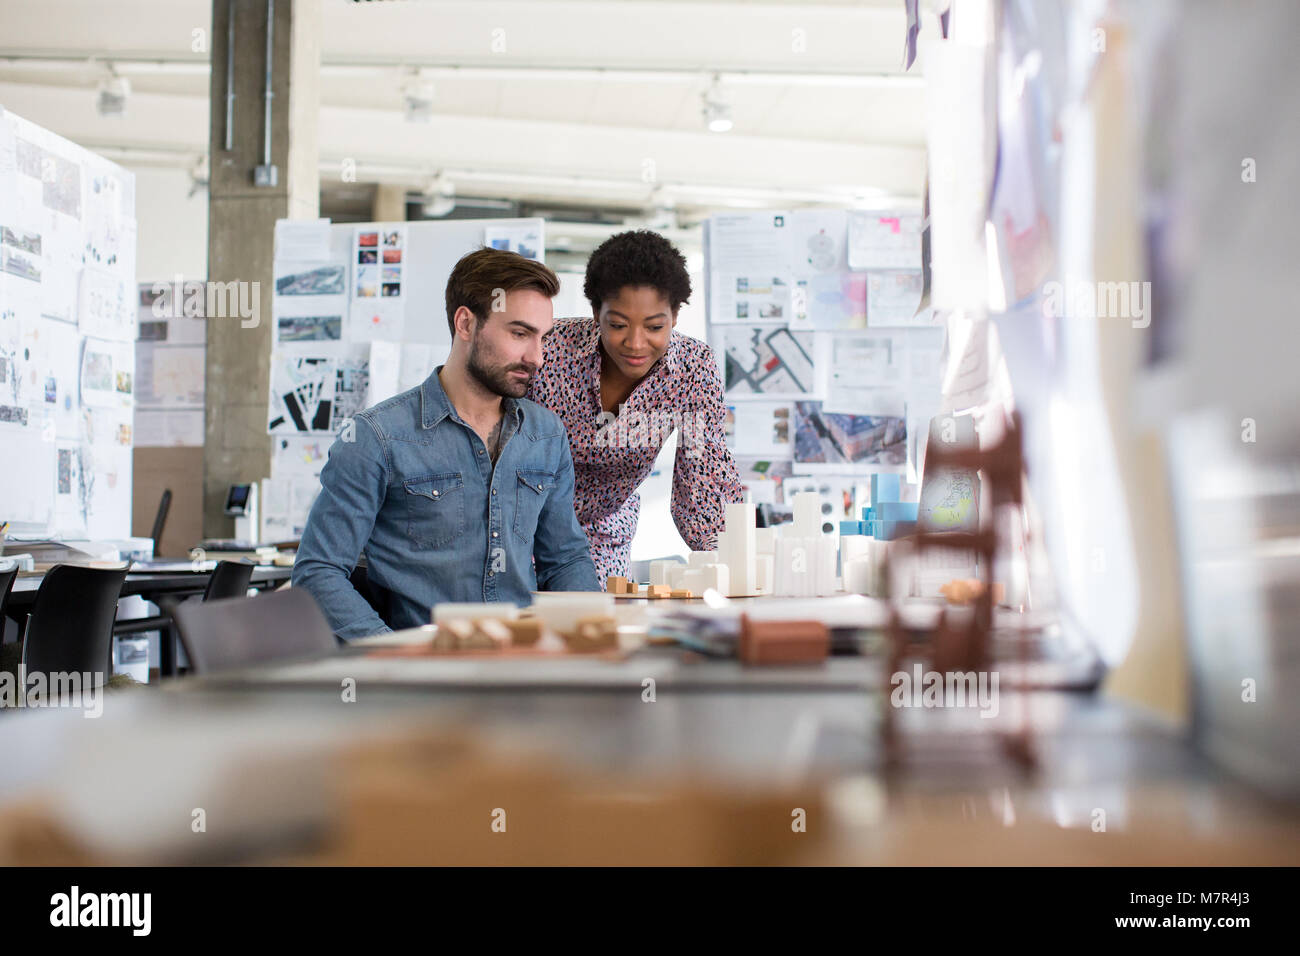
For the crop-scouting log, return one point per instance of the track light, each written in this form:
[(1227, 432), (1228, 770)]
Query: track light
[(439, 197), (113, 91), (417, 94), (717, 112)]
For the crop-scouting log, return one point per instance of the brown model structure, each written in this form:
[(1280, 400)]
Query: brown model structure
[(950, 646), (783, 642)]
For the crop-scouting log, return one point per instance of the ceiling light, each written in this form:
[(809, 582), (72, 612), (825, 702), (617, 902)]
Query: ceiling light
[(717, 112), (417, 94), (113, 91), (439, 197)]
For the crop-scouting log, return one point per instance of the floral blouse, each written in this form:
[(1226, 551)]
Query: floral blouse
[(613, 453)]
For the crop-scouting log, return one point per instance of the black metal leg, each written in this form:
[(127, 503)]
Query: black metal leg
[(167, 652)]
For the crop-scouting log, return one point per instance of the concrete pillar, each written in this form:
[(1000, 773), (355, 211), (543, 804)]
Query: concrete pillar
[(390, 203), (241, 222)]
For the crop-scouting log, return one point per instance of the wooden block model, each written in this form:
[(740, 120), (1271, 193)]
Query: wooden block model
[(681, 593), (596, 633), (783, 642), (451, 634), (491, 635), (658, 591), (461, 611), (525, 633), (615, 584)]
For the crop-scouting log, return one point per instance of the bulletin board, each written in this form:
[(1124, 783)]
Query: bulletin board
[(360, 315), (67, 332), (830, 356)]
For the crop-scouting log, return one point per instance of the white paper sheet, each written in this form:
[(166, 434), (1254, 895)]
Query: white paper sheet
[(168, 427), (893, 299), (304, 240), (169, 376), (106, 306), (885, 240), (767, 360), (836, 300), (108, 374), (750, 269), (763, 429), (385, 371), (524, 240), (371, 320)]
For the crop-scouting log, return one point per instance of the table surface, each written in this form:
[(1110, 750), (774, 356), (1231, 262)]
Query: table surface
[(157, 752), (26, 586)]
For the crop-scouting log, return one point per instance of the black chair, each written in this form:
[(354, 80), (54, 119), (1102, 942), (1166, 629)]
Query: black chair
[(229, 579), (7, 579), (160, 521), (71, 624), (237, 633)]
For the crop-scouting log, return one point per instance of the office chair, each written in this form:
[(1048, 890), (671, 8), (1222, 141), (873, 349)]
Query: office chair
[(7, 579), (8, 655), (70, 628), (229, 579), (160, 521), (235, 633)]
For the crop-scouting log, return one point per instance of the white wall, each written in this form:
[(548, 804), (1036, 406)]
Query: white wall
[(172, 227)]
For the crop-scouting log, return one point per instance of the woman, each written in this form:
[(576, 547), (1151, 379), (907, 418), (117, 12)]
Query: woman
[(622, 382)]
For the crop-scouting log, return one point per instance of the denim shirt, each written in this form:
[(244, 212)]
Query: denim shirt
[(416, 491)]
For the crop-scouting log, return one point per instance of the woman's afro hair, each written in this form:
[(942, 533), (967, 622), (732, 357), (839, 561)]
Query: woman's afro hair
[(635, 258)]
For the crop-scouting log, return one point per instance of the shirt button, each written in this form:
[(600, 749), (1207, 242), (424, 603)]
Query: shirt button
[(494, 491), (494, 534), (480, 451), (435, 492)]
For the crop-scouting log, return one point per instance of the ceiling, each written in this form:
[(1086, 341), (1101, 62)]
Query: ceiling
[(576, 103)]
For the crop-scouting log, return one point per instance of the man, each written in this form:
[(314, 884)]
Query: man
[(461, 489)]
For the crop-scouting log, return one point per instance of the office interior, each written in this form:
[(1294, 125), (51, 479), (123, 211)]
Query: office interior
[(996, 297)]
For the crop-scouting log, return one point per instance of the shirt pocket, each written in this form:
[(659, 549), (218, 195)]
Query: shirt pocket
[(435, 510), (531, 493)]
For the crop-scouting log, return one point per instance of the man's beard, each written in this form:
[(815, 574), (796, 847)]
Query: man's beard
[(497, 379)]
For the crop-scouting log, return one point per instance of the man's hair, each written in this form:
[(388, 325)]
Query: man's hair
[(481, 276), (636, 258)]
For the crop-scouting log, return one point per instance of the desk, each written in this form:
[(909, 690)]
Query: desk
[(150, 586), (252, 754)]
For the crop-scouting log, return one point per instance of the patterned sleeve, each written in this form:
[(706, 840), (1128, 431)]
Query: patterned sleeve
[(705, 478)]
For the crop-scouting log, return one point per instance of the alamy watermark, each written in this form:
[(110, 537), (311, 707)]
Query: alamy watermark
[(949, 689), (55, 689), (1098, 300), (214, 300), (632, 429), (77, 908)]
